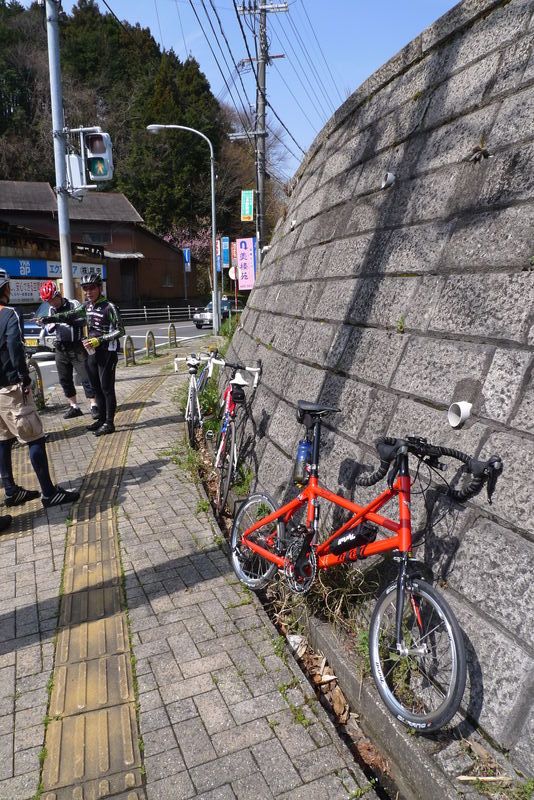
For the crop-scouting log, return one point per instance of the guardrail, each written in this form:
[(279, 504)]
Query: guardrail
[(161, 314)]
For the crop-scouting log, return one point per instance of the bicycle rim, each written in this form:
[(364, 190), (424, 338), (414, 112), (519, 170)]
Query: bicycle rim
[(226, 467), (253, 570), (423, 686)]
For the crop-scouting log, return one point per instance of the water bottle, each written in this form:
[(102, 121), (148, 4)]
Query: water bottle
[(302, 461)]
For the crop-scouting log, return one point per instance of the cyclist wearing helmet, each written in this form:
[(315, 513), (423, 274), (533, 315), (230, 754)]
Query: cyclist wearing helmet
[(70, 354), (105, 329), (19, 419)]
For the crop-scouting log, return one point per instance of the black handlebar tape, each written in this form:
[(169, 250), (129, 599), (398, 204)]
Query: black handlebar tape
[(472, 488), (373, 477)]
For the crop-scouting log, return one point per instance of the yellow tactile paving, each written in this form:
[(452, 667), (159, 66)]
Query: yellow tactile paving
[(92, 738)]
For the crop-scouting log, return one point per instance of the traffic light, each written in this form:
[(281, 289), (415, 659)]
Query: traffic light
[(99, 158)]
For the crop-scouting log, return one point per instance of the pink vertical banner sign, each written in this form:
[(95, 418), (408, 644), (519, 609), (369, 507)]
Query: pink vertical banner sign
[(246, 262)]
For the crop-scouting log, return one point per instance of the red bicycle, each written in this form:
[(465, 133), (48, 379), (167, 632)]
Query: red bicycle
[(416, 647)]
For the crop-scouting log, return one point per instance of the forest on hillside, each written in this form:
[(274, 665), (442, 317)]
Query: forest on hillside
[(116, 76)]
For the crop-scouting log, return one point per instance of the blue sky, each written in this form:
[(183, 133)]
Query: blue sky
[(354, 38)]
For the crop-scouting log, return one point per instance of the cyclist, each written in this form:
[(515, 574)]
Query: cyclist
[(70, 354), (105, 329), (18, 415)]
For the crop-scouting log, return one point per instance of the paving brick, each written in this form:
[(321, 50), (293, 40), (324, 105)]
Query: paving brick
[(223, 770), (276, 767), (195, 743)]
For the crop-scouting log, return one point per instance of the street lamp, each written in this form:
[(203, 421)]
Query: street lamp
[(214, 293)]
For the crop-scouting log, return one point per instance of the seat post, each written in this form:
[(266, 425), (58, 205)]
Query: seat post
[(316, 446)]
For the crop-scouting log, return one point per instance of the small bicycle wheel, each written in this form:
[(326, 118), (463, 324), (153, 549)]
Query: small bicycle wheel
[(422, 685), (252, 569), (226, 467)]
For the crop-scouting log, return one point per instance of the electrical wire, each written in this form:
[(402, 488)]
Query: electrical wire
[(257, 87), (159, 25), (321, 52), (295, 98), (217, 62), (311, 64), (181, 28), (323, 115), (230, 51)]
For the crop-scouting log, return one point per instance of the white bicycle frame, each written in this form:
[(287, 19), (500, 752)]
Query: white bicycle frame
[(192, 395)]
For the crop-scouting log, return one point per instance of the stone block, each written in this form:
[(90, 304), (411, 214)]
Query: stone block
[(458, 17), (347, 257), (496, 239), (414, 417), (515, 121), (383, 302), (284, 429), (277, 371), (503, 26), (453, 142), (507, 178), (412, 250), (275, 470), (306, 384), (315, 342), (352, 398), (496, 306), (524, 417), (330, 299), (432, 368), (461, 92), (488, 574), (493, 702), (503, 383), (513, 496), (523, 753), (286, 332), (372, 355), (514, 67)]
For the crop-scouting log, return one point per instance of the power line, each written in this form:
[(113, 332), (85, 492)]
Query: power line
[(295, 98), (159, 25), (323, 115), (181, 28), (230, 51), (216, 59), (321, 51), (312, 65)]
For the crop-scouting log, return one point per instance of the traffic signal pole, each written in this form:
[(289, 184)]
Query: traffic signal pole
[(59, 135)]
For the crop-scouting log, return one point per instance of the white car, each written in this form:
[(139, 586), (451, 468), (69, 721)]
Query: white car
[(205, 315)]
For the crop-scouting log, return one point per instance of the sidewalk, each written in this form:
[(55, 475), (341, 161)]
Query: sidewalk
[(221, 712)]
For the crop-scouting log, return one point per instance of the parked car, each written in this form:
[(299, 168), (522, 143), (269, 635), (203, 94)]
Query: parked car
[(36, 340), (204, 316)]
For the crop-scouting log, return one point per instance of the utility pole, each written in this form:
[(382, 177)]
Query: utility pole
[(260, 132), (60, 149)]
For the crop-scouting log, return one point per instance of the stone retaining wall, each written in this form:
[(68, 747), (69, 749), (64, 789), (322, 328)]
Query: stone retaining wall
[(394, 303)]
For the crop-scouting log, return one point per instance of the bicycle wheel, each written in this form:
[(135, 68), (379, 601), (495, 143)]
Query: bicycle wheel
[(253, 570), (226, 466), (192, 417), (423, 685)]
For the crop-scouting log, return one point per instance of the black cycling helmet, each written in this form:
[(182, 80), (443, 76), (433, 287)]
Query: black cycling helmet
[(4, 278), (92, 279)]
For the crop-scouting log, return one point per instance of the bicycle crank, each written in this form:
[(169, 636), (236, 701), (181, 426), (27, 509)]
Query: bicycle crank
[(300, 569)]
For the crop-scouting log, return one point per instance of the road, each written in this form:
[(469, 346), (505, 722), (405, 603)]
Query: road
[(184, 330)]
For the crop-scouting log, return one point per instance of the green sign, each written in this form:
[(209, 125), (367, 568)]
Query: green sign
[(247, 205)]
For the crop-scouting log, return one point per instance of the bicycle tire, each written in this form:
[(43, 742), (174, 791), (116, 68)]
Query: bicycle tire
[(192, 419), (253, 570), (411, 685), (226, 467)]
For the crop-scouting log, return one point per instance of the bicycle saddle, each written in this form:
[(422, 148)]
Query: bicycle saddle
[(312, 409)]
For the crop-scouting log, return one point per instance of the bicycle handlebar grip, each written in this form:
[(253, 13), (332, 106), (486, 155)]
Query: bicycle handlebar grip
[(472, 488), (373, 477)]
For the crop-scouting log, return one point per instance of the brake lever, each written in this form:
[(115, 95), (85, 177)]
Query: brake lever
[(495, 466)]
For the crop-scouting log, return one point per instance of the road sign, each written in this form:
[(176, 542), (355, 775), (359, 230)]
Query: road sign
[(225, 243), (247, 205), (187, 258), (246, 250), (218, 254)]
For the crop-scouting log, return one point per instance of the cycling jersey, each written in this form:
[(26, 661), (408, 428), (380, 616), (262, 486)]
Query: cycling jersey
[(104, 323)]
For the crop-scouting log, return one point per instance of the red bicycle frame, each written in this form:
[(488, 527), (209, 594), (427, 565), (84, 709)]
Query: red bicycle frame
[(402, 530)]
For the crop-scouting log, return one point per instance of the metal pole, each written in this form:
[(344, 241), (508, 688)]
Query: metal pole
[(215, 292), (58, 124), (260, 139)]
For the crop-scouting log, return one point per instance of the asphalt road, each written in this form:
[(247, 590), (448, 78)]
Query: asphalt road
[(184, 330)]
